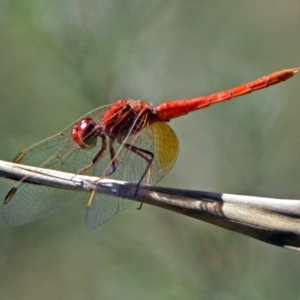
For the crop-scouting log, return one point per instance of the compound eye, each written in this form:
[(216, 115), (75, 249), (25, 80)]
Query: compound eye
[(84, 133)]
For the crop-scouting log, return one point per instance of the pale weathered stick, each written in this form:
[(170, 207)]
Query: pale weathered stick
[(275, 221)]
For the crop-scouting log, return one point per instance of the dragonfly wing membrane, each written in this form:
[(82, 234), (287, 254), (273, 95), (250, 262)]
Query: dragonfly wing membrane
[(33, 202), (26, 203), (159, 140), (103, 208), (166, 148)]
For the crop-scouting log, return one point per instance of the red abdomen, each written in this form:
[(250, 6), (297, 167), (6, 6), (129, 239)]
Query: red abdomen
[(173, 109)]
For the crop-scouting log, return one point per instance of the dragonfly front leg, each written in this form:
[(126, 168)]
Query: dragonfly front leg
[(98, 156)]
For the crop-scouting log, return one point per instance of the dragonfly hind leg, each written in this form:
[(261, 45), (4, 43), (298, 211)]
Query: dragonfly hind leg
[(141, 153)]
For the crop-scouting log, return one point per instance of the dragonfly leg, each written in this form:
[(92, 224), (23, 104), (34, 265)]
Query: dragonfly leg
[(140, 207), (114, 161), (141, 153), (96, 158)]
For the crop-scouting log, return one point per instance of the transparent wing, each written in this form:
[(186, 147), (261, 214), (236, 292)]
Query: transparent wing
[(158, 139), (32, 202)]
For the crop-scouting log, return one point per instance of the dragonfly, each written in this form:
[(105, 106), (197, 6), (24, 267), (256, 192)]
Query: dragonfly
[(128, 140)]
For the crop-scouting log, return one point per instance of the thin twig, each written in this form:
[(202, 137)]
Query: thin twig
[(275, 221)]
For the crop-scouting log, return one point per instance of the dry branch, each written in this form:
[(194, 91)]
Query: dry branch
[(275, 221)]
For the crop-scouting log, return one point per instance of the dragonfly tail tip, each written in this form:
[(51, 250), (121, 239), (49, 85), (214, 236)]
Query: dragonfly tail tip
[(294, 70)]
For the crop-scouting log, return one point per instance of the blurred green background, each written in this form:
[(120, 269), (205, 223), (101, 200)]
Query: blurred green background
[(61, 59)]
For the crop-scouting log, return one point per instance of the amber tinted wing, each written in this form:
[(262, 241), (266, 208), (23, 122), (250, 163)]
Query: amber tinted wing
[(158, 139)]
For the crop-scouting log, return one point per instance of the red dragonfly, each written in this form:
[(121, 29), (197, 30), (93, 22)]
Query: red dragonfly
[(136, 145)]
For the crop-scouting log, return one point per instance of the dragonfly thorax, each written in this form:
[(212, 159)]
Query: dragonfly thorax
[(126, 117)]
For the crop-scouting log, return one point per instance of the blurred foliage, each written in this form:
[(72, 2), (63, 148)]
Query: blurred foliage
[(60, 59)]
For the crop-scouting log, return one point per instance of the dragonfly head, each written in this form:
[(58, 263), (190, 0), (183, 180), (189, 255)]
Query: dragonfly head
[(85, 133)]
